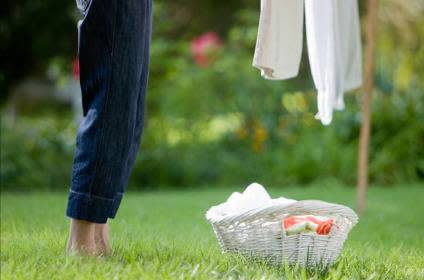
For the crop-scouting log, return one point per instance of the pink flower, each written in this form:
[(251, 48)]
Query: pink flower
[(205, 47), (76, 68)]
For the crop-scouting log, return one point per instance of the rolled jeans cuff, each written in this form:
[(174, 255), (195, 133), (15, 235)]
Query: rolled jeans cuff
[(92, 208)]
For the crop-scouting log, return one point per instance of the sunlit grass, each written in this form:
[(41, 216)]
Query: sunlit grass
[(163, 235)]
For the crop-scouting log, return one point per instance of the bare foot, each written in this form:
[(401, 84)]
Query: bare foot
[(101, 238), (81, 238)]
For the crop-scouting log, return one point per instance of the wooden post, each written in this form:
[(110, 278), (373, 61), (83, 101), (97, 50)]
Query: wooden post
[(371, 26)]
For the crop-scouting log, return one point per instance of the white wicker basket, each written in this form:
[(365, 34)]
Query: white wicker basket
[(259, 233)]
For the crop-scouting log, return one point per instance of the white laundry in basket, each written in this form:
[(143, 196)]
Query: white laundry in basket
[(254, 196)]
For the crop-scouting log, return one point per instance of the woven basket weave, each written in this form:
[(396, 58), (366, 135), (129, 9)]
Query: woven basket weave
[(259, 233)]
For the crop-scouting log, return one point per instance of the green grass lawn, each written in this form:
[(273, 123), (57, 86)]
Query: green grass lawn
[(164, 235)]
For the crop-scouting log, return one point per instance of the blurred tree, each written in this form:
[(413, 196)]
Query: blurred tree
[(31, 34), (188, 18), (223, 123)]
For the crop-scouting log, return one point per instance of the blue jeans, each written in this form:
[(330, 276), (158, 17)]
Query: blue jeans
[(113, 47)]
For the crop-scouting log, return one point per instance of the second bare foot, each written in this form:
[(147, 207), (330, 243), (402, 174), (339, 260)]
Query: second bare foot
[(101, 237)]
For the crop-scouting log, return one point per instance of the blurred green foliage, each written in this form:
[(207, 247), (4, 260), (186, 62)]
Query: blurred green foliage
[(224, 124), (32, 33)]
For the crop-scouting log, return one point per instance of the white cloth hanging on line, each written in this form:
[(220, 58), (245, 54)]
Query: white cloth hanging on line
[(279, 41), (333, 40)]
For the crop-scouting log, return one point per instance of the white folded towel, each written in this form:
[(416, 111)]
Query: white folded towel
[(334, 46)]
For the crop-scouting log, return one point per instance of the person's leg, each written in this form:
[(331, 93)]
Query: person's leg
[(101, 230), (140, 102), (114, 40)]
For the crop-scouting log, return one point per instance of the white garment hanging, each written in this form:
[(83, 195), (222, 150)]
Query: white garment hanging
[(334, 46), (334, 50), (279, 41)]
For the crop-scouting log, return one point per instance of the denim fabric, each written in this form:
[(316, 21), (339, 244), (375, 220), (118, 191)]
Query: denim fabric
[(113, 48)]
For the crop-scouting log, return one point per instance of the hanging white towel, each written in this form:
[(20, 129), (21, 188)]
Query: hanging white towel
[(334, 46), (279, 41), (334, 50)]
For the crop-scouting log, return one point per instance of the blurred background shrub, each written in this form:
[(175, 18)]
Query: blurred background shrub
[(211, 118)]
